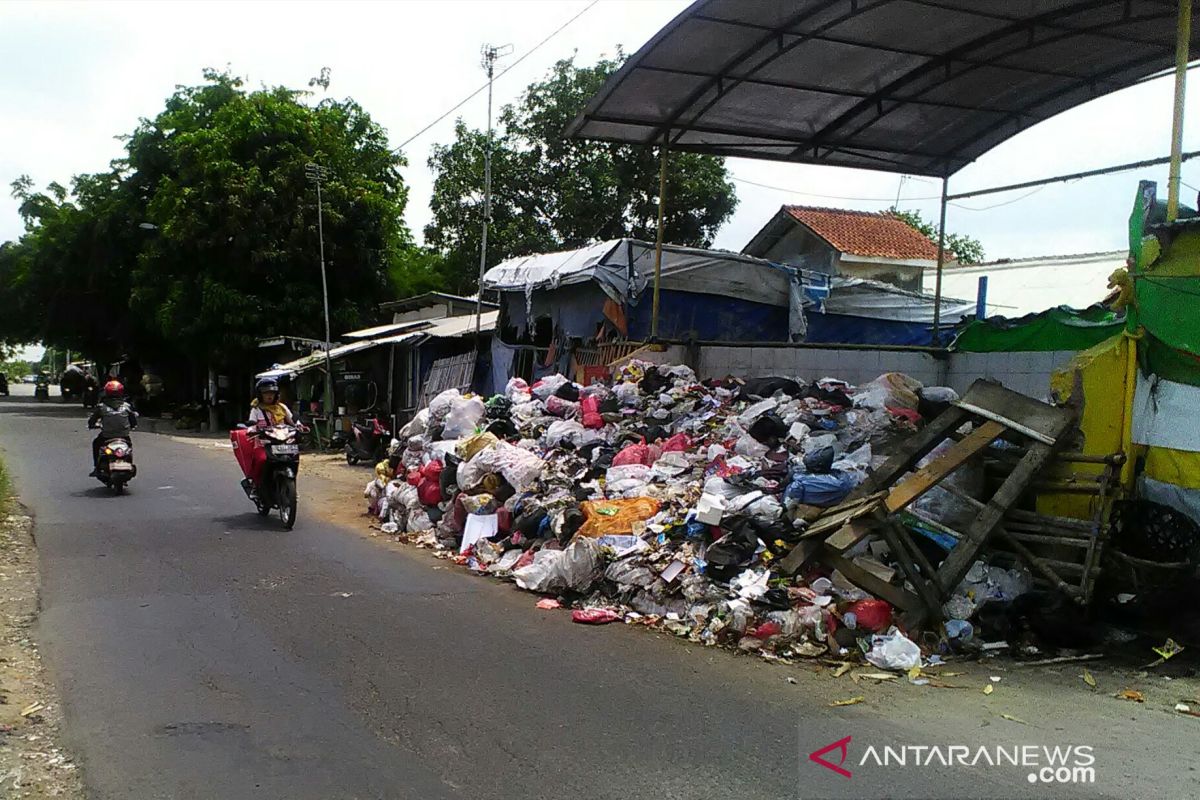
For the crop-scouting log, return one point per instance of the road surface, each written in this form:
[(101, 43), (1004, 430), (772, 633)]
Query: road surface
[(202, 652)]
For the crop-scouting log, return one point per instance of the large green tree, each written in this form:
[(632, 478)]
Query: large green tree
[(549, 192), (204, 236)]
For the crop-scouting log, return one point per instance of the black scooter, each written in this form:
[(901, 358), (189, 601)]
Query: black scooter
[(369, 443), (3, 384), (115, 467)]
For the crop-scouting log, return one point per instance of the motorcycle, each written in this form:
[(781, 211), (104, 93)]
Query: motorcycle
[(269, 456), (370, 442), (3, 384), (115, 467), (91, 395), (41, 391)]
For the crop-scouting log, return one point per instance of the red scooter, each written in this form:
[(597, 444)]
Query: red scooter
[(269, 456)]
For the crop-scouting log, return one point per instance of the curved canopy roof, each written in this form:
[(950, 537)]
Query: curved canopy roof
[(916, 86)]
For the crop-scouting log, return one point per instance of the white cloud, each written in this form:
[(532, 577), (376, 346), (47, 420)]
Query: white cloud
[(78, 74)]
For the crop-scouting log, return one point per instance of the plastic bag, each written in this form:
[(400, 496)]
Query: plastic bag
[(580, 564), (938, 394), (430, 491), (679, 443), (671, 465), (820, 490), (894, 651), (520, 467), (626, 477), (440, 405), (626, 573), (468, 447), (589, 408), (627, 394), (464, 415), (415, 426), (640, 453), (753, 412), (517, 390), (541, 575), (594, 616), (749, 447), (872, 615), (615, 516), (547, 386), (890, 390), (558, 407)]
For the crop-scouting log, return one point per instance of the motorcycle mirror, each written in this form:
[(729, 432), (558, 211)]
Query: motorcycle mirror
[(241, 426)]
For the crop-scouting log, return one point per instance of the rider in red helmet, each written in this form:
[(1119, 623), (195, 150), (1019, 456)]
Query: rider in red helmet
[(115, 418)]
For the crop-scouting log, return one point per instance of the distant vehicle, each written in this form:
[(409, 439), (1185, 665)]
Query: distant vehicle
[(29, 379), (42, 389), (3, 384)]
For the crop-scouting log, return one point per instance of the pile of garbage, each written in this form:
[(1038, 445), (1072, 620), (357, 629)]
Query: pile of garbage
[(665, 501)]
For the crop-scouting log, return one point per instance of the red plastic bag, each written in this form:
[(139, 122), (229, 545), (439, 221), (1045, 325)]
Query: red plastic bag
[(767, 630), (430, 492), (632, 454), (503, 519), (590, 407), (558, 407), (414, 477), (432, 471), (594, 616), (679, 443), (873, 615)]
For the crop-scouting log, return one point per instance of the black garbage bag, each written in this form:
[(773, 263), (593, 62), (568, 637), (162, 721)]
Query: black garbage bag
[(610, 405), (835, 397), (731, 554), (768, 429), (449, 476), (653, 382), (568, 391), (572, 522), (776, 599), (819, 462), (529, 521), (498, 407), (502, 428), (653, 433), (767, 387)]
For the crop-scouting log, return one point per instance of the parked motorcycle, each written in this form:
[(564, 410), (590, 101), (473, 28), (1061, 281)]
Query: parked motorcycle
[(269, 456), (115, 467), (3, 384), (369, 443)]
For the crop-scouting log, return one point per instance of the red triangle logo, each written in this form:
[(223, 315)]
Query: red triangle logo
[(841, 744)]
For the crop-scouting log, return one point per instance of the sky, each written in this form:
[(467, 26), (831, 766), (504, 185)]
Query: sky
[(79, 74)]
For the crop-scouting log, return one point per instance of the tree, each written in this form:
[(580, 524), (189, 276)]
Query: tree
[(551, 193), (203, 238), (966, 249)]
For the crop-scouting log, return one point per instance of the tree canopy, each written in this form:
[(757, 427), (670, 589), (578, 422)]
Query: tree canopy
[(966, 249), (203, 237), (551, 193)]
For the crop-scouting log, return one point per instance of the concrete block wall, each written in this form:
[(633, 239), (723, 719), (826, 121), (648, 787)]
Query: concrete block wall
[(849, 364), (1028, 373)]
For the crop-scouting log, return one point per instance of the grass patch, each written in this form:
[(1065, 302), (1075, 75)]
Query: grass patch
[(5, 489)]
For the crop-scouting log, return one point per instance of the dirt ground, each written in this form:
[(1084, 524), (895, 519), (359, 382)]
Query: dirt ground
[(32, 761)]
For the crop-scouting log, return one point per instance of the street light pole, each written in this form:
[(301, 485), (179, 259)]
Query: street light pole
[(316, 173)]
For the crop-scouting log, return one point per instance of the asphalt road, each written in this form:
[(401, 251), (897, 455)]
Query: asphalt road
[(202, 652)]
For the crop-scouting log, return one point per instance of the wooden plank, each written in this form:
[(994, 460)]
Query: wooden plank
[(801, 554), (839, 515), (1083, 544), (913, 450), (928, 476), (849, 535), (955, 567), (925, 583), (864, 580), (1042, 418)]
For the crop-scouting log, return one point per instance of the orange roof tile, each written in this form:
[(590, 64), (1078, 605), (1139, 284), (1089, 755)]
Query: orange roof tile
[(864, 233)]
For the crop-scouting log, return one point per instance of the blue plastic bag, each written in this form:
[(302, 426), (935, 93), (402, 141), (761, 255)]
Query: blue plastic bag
[(820, 490)]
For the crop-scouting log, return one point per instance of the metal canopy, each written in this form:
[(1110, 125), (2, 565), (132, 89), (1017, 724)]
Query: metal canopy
[(915, 86)]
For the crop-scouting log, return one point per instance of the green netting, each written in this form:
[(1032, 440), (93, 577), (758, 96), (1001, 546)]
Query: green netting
[(1059, 328)]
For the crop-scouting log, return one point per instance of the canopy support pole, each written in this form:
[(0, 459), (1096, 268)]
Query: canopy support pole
[(1183, 37), (941, 257), (658, 240)]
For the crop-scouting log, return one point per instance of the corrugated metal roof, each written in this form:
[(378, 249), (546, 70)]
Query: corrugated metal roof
[(462, 325), (380, 330)]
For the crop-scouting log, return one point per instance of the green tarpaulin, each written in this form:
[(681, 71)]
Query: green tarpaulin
[(1059, 328)]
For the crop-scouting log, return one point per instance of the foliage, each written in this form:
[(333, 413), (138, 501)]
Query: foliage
[(204, 237), (551, 193), (966, 249), (15, 369)]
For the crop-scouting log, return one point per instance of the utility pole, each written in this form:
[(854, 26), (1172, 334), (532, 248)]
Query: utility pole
[(490, 54), (316, 173)]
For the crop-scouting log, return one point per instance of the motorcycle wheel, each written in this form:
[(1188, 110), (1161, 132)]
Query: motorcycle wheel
[(285, 496), (350, 459), (262, 508), (117, 487)]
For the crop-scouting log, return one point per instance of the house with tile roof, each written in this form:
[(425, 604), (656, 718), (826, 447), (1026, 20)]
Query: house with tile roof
[(853, 244)]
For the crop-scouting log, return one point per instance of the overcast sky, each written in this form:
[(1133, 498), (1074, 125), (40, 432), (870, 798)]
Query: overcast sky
[(78, 74)]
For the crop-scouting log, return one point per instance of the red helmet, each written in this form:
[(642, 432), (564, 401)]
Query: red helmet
[(114, 389)]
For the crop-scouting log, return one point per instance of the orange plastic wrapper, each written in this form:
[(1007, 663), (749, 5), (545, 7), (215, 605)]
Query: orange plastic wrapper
[(615, 517)]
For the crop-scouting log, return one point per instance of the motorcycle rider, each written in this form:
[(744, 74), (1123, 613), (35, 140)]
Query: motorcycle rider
[(266, 407), (115, 418)]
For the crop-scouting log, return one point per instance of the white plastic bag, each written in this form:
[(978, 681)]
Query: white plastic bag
[(520, 468), (670, 465), (747, 417), (542, 575), (440, 406), (627, 393), (517, 391), (548, 386), (463, 416), (415, 426), (894, 651), (750, 447)]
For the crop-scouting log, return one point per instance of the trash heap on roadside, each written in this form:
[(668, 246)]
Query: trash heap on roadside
[(665, 501)]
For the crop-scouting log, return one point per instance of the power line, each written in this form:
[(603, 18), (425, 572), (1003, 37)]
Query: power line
[(997, 205), (527, 54), (829, 196)]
